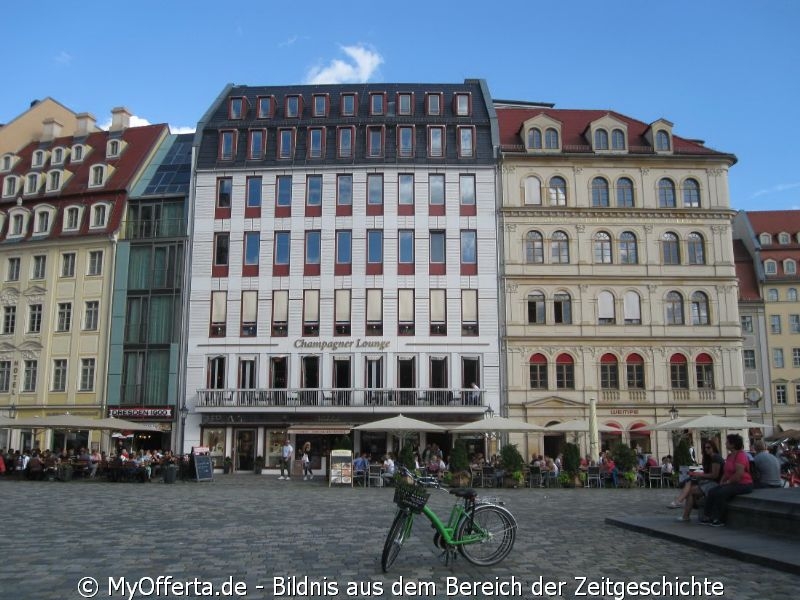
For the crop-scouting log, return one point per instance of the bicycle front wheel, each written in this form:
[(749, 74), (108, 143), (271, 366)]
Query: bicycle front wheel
[(398, 532), (494, 530)]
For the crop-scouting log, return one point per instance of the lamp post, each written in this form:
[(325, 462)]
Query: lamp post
[(184, 412)]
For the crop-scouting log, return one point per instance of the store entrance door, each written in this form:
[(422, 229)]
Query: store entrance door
[(245, 449)]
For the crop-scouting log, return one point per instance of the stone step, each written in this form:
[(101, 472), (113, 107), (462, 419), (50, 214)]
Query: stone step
[(768, 511)]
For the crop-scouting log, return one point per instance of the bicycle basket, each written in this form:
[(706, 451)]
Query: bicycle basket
[(410, 497)]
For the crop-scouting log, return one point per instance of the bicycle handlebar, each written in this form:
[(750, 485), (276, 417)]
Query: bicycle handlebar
[(430, 482)]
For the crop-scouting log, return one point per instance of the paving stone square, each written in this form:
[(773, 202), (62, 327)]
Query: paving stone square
[(250, 529)]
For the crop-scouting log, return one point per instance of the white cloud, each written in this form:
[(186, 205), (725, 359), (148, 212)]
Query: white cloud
[(364, 63), (288, 42), (776, 189), (63, 58), (187, 129), (135, 122)]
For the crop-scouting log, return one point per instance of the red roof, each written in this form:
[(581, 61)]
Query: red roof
[(139, 141), (745, 273), (574, 124), (775, 222)]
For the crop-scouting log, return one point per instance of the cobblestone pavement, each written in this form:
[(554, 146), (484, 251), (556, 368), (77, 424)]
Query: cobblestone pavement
[(251, 529)]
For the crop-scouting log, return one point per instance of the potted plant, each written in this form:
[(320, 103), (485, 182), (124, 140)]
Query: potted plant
[(511, 462), (572, 463), (566, 480), (227, 465), (626, 461), (459, 465), (258, 466)]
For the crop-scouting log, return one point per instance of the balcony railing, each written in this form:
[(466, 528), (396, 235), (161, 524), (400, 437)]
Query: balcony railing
[(341, 397), (154, 228)]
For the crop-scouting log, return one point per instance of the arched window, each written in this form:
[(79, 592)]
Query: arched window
[(772, 295), (783, 238), (618, 139), (789, 266), (678, 372), (54, 181), (606, 315), (559, 248), (700, 309), (628, 252), (770, 267), (535, 139), (599, 192), (662, 140), (602, 248), (601, 139), (558, 191), (695, 247), (534, 248), (624, 193), (551, 139), (533, 191), (673, 304), (691, 193), (666, 193), (632, 308), (765, 239), (609, 372), (704, 369), (634, 371), (565, 372), (562, 308), (670, 250), (98, 175), (537, 366), (32, 183), (536, 308), (791, 294)]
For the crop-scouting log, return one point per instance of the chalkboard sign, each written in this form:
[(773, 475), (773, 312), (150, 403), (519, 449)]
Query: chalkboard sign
[(341, 468), (203, 467)]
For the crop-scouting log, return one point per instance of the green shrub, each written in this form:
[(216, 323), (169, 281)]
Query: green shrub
[(682, 457), (406, 457), (624, 457), (458, 457), (343, 443), (572, 459), (510, 458)]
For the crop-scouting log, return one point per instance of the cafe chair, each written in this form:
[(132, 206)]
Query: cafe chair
[(375, 478), (593, 477), (654, 476)]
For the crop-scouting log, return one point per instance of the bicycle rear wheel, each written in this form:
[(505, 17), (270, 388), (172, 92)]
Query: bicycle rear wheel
[(495, 529), (398, 532)]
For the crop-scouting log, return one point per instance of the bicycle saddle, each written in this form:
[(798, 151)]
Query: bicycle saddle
[(464, 492)]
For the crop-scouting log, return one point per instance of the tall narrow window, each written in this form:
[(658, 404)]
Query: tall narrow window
[(87, 374), (283, 196), (253, 201), (281, 254), (374, 142), (405, 141), (438, 312), (405, 252), (95, 263), (535, 139), (311, 312), (312, 253), (219, 314), (252, 248), (695, 249), (433, 104), (466, 193), (565, 372), (599, 192), (285, 143), (256, 147), (39, 266), (602, 248), (374, 252), (436, 142), (249, 313), (91, 315), (348, 105), (405, 192), (345, 142), (405, 104), (405, 312), (533, 191), (628, 253), (606, 315), (562, 308), (670, 249), (691, 193), (559, 248), (466, 142), (557, 191), (224, 191), (601, 139), (537, 372), (673, 305), (316, 142), (59, 375), (319, 106), (68, 264), (235, 108), (344, 252), (462, 105), (624, 193), (227, 141), (344, 195), (64, 316), (617, 139), (265, 107), (662, 140), (469, 312), (437, 257), (609, 372), (704, 369), (280, 313), (534, 248), (31, 369), (35, 318), (374, 312), (292, 106), (342, 311), (634, 371), (436, 195), (221, 246), (314, 196), (5, 376), (679, 372), (13, 269), (9, 320), (666, 193), (536, 308), (700, 309), (551, 139), (375, 194), (469, 252)]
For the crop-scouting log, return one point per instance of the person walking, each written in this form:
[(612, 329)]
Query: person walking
[(286, 459), (306, 458)]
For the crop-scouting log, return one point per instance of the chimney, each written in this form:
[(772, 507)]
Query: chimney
[(120, 119), (51, 129), (85, 124)]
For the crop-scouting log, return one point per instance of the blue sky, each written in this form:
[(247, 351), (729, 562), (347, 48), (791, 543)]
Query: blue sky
[(722, 71)]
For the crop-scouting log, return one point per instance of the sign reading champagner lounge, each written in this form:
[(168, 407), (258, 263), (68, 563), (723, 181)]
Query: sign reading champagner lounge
[(343, 344)]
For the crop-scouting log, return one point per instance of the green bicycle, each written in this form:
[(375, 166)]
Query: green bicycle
[(483, 532)]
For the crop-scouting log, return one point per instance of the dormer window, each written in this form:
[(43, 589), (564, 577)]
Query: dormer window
[(433, 104), (58, 156), (7, 163), (10, 187), (535, 139), (236, 108), (72, 218), (292, 106), (462, 105), (113, 148), (54, 181), (789, 267), (601, 139), (784, 238), (551, 139), (662, 141), (98, 176), (32, 183), (376, 104), (266, 106), (99, 215), (348, 107), (77, 153), (770, 267), (38, 158), (42, 221), (17, 224), (405, 104), (618, 139), (320, 105), (765, 239)]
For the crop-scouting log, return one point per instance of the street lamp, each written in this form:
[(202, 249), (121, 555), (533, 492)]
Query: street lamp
[(489, 413), (184, 412), (673, 412)]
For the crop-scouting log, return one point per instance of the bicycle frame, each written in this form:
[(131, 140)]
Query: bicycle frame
[(447, 530)]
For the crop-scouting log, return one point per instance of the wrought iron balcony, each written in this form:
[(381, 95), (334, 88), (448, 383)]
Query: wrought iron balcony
[(338, 397)]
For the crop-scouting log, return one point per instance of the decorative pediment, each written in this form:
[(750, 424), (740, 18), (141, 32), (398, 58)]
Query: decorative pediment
[(554, 402), (9, 296), (35, 294), (30, 350)]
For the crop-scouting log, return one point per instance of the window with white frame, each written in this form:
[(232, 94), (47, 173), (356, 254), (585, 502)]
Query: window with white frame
[(113, 148), (628, 249), (68, 264), (38, 158), (95, 262), (673, 305), (469, 312), (770, 267), (31, 368), (87, 374), (5, 376), (537, 308), (39, 269), (796, 357), (780, 393), (606, 313), (772, 295), (777, 358), (77, 153), (765, 239), (59, 383), (99, 215), (72, 218), (12, 274), (562, 308), (91, 316), (32, 183), (747, 323), (784, 238), (794, 323), (789, 266), (749, 357), (17, 225), (10, 186), (58, 156), (64, 317), (9, 320), (54, 181), (41, 222), (98, 176), (6, 163)]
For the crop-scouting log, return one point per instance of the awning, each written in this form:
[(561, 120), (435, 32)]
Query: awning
[(787, 425), (337, 429)]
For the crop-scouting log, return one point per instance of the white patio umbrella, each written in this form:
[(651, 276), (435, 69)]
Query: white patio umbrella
[(594, 429), (400, 425), (498, 424), (707, 421)]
